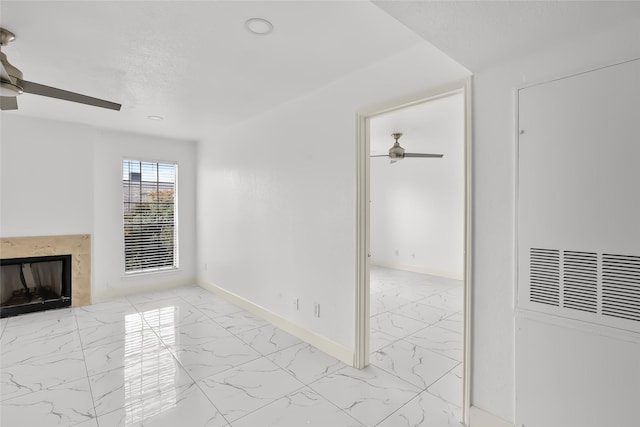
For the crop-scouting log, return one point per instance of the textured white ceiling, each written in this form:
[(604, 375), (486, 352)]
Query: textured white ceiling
[(191, 62), (478, 34)]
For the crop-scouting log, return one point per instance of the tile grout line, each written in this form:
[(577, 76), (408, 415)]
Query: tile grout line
[(84, 360), (265, 356), (261, 356), (237, 334), (303, 385), (427, 306), (328, 400), (440, 397), (173, 355)]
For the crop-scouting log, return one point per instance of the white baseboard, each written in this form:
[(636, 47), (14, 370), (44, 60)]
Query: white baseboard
[(417, 269), (135, 289), (320, 342), (481, 418)]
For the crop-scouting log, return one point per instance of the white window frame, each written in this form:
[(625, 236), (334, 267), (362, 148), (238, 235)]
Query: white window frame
[(126, 186)]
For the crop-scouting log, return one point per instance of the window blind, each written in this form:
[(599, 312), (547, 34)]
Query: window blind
[(149, 213)]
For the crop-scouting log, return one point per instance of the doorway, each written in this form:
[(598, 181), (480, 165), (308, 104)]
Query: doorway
[(413, 287)]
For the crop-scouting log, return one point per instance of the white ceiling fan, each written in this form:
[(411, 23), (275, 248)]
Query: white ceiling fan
[(398, 153), (12, 85)]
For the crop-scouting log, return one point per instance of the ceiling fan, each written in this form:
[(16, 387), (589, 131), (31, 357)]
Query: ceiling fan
[(12, 85), (397, 152)]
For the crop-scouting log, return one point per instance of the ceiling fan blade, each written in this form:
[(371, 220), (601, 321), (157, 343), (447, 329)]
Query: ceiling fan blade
[(52, 92), (8, 103), (379, 155), (422, 155)]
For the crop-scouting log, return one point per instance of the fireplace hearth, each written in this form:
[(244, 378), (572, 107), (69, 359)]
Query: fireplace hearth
[(34, 284)]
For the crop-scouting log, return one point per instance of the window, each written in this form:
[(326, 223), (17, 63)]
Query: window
[(149, 210)]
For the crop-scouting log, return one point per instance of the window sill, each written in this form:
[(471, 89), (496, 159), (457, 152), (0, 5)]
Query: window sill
[(135, 274)]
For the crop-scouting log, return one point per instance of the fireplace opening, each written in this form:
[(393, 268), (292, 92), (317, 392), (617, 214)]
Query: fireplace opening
[(34, 284)]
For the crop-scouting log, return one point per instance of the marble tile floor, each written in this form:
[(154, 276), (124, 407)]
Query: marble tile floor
[(186, 357)]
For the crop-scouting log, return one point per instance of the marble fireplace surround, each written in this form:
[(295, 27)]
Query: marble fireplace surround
[(76, 245)]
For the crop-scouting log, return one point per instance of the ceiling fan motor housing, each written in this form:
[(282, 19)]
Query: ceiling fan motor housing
[(12, 86), (11, 76), (396, 152)]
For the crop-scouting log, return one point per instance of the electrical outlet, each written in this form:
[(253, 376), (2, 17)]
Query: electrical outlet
[(316, 309)]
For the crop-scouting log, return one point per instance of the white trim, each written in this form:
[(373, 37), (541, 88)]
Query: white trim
[(320, 342), (516, 195), (362, 224), (468, 252), (563, 76), (417, 269), (481, 418), (415, 99), (596, 329), (361, 352), (176, 228), (158, 271), (132, 289)]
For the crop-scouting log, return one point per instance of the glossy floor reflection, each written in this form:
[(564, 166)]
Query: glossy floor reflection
[(186, 357)]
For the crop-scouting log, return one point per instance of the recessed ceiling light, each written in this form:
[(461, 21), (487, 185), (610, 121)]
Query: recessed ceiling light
[(259, 26), (155, 118)]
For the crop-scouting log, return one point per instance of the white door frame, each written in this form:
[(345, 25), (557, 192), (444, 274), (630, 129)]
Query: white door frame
[(361, 352)]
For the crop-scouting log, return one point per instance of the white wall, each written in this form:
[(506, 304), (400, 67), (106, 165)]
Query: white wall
[(417, 205), (276, 196), (65, 178), (583, 376), (110, 149), (494, 202), (46, 175)]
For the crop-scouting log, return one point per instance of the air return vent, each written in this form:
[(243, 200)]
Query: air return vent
[(621, 286), (545, 276), (580, 280), (600, 288)]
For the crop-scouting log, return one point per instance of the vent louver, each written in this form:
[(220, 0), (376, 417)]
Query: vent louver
[(621, 286), (580, 280), (597, 285), (545, 276)]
